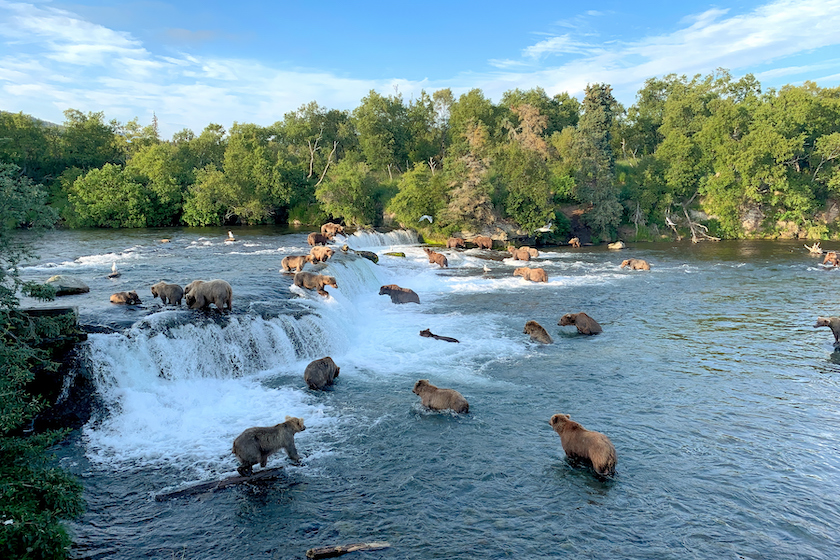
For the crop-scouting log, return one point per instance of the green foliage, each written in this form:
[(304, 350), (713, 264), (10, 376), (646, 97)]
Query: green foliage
[(421, 192), (205, 204), (34, 496), (109, 198), (349, 193)]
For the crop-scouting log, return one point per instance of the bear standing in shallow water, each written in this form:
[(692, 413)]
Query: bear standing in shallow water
[(254, 445), (582, 444), (440, 399), (320, 373), (833, 323)]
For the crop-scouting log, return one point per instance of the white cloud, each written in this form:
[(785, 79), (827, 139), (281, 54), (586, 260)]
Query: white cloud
[(708, 40), (60, 61)]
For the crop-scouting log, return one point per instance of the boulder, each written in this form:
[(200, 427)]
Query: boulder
[(67, 285)]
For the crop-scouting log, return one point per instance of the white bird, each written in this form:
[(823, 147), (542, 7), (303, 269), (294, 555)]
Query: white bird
[(486, 268), (546, 228), (425, 217), (230, 238), (114, 272), (114, 267)]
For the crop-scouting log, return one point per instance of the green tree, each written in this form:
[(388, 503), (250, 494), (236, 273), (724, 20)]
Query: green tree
[(88, 142), (109, 198), (35, 496), (382, 123), (160, 171), (596, 163), (208, 200), (349, 192), (422, 192)]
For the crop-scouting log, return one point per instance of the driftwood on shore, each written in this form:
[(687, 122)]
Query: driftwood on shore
[(332, 551), (214, 485)]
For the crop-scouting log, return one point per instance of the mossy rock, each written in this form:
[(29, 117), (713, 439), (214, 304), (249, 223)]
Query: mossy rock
[(396, 254)]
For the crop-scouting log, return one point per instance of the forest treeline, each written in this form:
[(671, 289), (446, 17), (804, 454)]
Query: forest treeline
[(703, 156)]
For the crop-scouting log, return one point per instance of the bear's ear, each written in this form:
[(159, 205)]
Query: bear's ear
[(288, 418)]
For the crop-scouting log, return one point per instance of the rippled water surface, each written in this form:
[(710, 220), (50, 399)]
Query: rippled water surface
[(709, 378)]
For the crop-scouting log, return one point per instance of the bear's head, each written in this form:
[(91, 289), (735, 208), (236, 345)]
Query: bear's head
[(532, 326), (823, 322), (295, 423), (386, 290), (559, 420), (133, 298), (330, 281), (155, 290), (567, 319), (427, 333), (420, 385)]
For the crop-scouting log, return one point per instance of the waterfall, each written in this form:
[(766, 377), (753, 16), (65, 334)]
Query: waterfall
[(375, 239)]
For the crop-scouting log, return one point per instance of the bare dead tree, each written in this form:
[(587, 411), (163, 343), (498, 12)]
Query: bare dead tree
[(432, 165), (329, 161), (314, 147)]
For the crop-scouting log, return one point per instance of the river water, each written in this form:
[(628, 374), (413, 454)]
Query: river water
[(719, 395)]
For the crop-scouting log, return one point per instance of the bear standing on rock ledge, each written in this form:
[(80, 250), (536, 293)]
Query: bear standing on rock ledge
[(317, 282)]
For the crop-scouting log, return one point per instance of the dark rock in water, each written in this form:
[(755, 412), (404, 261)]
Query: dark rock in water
[(69, 391), (67, 285), (368, 255)]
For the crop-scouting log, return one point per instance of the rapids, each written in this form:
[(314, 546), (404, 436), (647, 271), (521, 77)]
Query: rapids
[(709, 378)]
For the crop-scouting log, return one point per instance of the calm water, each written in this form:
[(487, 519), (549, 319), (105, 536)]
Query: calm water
[(719, 395)]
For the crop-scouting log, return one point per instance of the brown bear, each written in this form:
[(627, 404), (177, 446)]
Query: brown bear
[(320, 373), (581, 444), (296, 262), (454, 242), (832, 259), (200, 294), (440, 399), (533, 252), (635, 264), (330, 229), (531, 274), (831, 322), (321, 254), (168, 293), (312, 281), (437, 258), (584, 323), (128, 298), (428, 334), (399, 295), (521, 254), (537, 332), (574, 242), (254, 445), (317, 239), (483, 242)]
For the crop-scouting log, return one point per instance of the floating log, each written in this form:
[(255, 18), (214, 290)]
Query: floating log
[(332, 551), (215, 485)]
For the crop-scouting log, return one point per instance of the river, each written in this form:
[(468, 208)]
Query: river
[(719, 395)]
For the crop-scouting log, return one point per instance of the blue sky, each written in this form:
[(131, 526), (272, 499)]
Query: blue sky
[(193, 63)]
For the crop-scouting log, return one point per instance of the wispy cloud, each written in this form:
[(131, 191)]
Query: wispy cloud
[(52, 60), (706, 41)]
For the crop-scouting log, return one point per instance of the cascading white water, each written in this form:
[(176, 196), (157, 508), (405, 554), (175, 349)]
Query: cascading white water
[(375, 239)]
